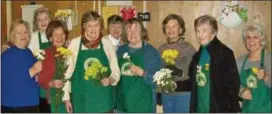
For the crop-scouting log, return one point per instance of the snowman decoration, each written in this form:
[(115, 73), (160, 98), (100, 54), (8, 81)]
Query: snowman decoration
[(233, 14)]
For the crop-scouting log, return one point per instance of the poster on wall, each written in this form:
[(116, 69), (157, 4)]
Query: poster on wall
[(107, 11), (128, 12), (233, 14)]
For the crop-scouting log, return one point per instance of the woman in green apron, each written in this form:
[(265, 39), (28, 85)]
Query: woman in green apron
[(57, 33), (39, 41), (136, 92), (255, 72), (90, 95)]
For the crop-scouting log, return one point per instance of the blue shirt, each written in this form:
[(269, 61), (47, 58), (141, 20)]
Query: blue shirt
[(18, 88)]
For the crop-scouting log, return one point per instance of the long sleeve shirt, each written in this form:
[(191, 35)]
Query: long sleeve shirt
[(110, 53), (18, 87)]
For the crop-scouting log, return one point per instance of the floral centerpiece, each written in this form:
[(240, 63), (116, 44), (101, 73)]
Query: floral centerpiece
[(63, 15), (163, 80)]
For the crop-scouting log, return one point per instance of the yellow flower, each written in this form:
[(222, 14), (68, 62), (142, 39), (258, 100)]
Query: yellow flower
[(64, 52), (169, 56), (255, 70)]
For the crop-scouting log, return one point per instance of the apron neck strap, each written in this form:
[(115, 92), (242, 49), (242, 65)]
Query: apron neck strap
[(262, 59)]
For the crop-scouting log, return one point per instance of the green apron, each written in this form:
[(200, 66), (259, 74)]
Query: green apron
[(42, 47), (87, 95), (133, 94), (261, 93), (203, 82)]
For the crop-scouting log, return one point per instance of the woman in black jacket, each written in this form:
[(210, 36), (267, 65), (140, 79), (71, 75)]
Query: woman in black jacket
[(213, 72)]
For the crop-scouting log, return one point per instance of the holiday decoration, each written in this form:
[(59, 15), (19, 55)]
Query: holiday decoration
[(233, 14)]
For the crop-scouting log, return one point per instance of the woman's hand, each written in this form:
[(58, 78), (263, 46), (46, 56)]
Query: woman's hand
[(107, 81), (68, 106), (5, 47), (246, 94), (262, 75), (136, 70), (35, 69), (56, 84)]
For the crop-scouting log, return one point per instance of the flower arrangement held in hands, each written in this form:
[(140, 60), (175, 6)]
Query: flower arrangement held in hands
[(95, 70), (61, 58), (169, 56), (39, 54), (163, 80)]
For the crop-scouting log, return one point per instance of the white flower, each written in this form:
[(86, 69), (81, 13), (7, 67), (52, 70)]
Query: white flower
[(126, 56), (39, 54)]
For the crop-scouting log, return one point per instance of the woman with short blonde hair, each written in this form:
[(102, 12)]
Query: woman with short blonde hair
[(20, 91)]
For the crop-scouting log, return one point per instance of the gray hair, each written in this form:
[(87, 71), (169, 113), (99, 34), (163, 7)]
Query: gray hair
[(255, 28)]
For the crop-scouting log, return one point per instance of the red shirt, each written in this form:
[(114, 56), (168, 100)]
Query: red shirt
[(48, 67)]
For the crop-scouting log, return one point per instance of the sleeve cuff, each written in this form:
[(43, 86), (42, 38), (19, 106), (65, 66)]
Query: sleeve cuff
[(116, 78), (67, 90)]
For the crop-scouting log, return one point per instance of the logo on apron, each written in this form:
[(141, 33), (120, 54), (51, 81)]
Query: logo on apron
[(252, 81), (89, 61), (200, 77), (125, 69)]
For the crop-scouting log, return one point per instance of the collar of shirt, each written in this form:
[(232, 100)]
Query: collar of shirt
[(114, 41)]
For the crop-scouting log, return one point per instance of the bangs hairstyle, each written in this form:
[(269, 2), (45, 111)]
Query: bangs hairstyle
[(55, 24), (144, 34), (12, 29), (255, 28), (207, 19), (180, 21), (36, 13), (91, 16)]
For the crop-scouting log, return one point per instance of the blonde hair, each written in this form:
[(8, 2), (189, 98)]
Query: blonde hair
[(255, 28), (13, 26), (36, 13)]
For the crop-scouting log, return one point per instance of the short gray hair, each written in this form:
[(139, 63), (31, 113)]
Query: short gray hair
[(255, 28)]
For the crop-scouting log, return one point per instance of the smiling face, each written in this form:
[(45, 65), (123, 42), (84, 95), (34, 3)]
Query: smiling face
[(253, 41), (42, 20), (134, 33), (58, 37), (204, 33), (92, 30), (115, 30), (172, 29), (21, 36)]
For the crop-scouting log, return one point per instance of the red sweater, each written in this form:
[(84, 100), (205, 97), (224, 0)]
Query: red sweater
[(48, 67)]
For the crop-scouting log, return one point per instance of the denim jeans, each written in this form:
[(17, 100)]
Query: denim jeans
[(179, 103)]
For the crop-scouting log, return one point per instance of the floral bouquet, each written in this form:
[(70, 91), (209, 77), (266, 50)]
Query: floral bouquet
[(63, 15), (61, 58), (163, 80), (96, 71), (169, 56), (39, 54)]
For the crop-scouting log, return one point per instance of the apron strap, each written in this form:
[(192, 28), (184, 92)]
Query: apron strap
[(262, 59), (40, 39)]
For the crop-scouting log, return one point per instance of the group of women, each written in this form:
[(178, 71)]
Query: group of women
[(207, 80)]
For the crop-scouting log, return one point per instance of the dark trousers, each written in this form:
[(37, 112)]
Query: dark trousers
[(25, 109), (44, 106)]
